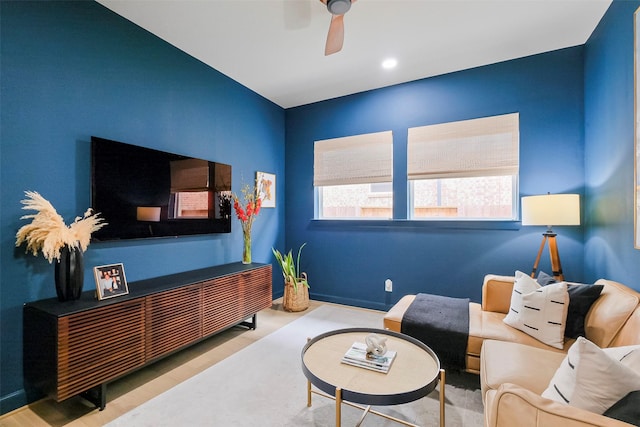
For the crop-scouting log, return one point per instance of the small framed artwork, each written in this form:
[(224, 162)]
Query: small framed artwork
[(110, 281), (266, 183)]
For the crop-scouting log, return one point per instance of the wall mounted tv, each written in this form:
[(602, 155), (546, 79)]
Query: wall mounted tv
[(143, 193)]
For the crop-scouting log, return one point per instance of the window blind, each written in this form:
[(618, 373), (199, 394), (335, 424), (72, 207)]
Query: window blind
[(359, 159), (486, 146)]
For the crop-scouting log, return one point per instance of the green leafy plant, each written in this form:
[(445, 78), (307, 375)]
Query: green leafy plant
[(291, 270)]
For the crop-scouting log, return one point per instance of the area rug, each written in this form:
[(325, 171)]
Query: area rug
[(263, 385)]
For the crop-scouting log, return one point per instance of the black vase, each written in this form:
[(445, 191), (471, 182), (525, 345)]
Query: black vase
[(69, 274)]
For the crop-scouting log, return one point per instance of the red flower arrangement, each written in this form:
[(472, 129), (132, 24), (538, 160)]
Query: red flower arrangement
[(246, 211)]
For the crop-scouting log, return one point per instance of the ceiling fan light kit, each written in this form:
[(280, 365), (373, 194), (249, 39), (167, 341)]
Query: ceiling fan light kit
[(338, 7)]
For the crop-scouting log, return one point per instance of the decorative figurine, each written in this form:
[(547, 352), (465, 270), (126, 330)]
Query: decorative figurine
[(376, 346)]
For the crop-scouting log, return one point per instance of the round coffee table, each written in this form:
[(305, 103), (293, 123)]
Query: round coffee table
[(414, 373)]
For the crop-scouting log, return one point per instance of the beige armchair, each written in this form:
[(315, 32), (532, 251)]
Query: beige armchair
[(519, 402)]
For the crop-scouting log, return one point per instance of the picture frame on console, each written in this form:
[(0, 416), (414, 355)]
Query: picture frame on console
[(110, 281), (266, 183)]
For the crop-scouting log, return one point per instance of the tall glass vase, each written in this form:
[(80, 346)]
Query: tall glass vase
[(246, 249)]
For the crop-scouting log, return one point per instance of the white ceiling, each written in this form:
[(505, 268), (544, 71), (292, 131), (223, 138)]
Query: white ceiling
[(276, 47)]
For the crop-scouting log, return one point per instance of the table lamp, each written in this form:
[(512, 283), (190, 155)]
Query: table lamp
[(148, 213), (550, 210)]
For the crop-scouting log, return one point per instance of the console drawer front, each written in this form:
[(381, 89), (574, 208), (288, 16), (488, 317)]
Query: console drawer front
[(173, 320), (220, 304), (231, 299), (255, 289), (99, 345)]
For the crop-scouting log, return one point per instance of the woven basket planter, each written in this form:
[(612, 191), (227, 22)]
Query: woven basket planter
[(295, 301)]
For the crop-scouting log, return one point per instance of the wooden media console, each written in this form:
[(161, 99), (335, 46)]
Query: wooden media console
[(77, 347)]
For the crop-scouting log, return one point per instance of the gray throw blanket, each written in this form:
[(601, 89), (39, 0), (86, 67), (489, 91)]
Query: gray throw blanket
[(442, 323)]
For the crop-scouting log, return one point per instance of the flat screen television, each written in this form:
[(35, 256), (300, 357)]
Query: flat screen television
[(144, 193)]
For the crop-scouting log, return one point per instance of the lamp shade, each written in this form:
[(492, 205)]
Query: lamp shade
[(551, 209), (148, 213)]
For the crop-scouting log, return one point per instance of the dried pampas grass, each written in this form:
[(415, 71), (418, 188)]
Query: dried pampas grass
[(47, 231)]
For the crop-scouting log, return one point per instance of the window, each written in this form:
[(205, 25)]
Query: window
[(189, 204), (353, 175), (464, 170)]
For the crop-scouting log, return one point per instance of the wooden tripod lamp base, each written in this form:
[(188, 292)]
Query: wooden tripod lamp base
[(551, 210), (556, 267)]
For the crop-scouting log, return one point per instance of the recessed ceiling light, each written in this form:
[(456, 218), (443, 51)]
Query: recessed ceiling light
[(389, 63)]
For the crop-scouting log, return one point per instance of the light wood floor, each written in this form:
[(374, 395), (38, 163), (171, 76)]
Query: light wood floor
[(136, 388)]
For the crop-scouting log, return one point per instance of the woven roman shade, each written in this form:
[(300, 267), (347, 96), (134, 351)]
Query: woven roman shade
[(486, 146), (359, 159)]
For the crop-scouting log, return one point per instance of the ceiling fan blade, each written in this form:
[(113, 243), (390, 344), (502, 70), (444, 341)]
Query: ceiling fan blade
[(335, 37)]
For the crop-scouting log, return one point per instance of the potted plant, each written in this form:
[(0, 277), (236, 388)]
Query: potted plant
[(296, 286)]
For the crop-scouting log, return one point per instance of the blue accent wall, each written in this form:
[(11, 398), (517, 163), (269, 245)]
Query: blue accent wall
[(74, 69), (609, 148), (348, 262)]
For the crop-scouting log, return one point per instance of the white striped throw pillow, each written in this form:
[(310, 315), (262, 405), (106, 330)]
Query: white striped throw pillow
[(539, 311), (593, 379)]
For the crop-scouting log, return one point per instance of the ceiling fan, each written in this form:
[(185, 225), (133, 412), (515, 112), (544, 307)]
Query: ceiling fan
[(335, 37)]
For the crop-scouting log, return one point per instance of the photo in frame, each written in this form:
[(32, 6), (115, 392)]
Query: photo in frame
[(266, 183), (110, 281)]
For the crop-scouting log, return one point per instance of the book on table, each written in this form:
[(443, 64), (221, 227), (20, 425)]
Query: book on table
[(357, 356)]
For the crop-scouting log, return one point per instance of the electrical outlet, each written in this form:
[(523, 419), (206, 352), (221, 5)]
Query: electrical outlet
[(388, 285)]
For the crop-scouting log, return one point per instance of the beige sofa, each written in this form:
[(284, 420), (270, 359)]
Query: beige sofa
[(511, 393), (485, 320), (499, 352)]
